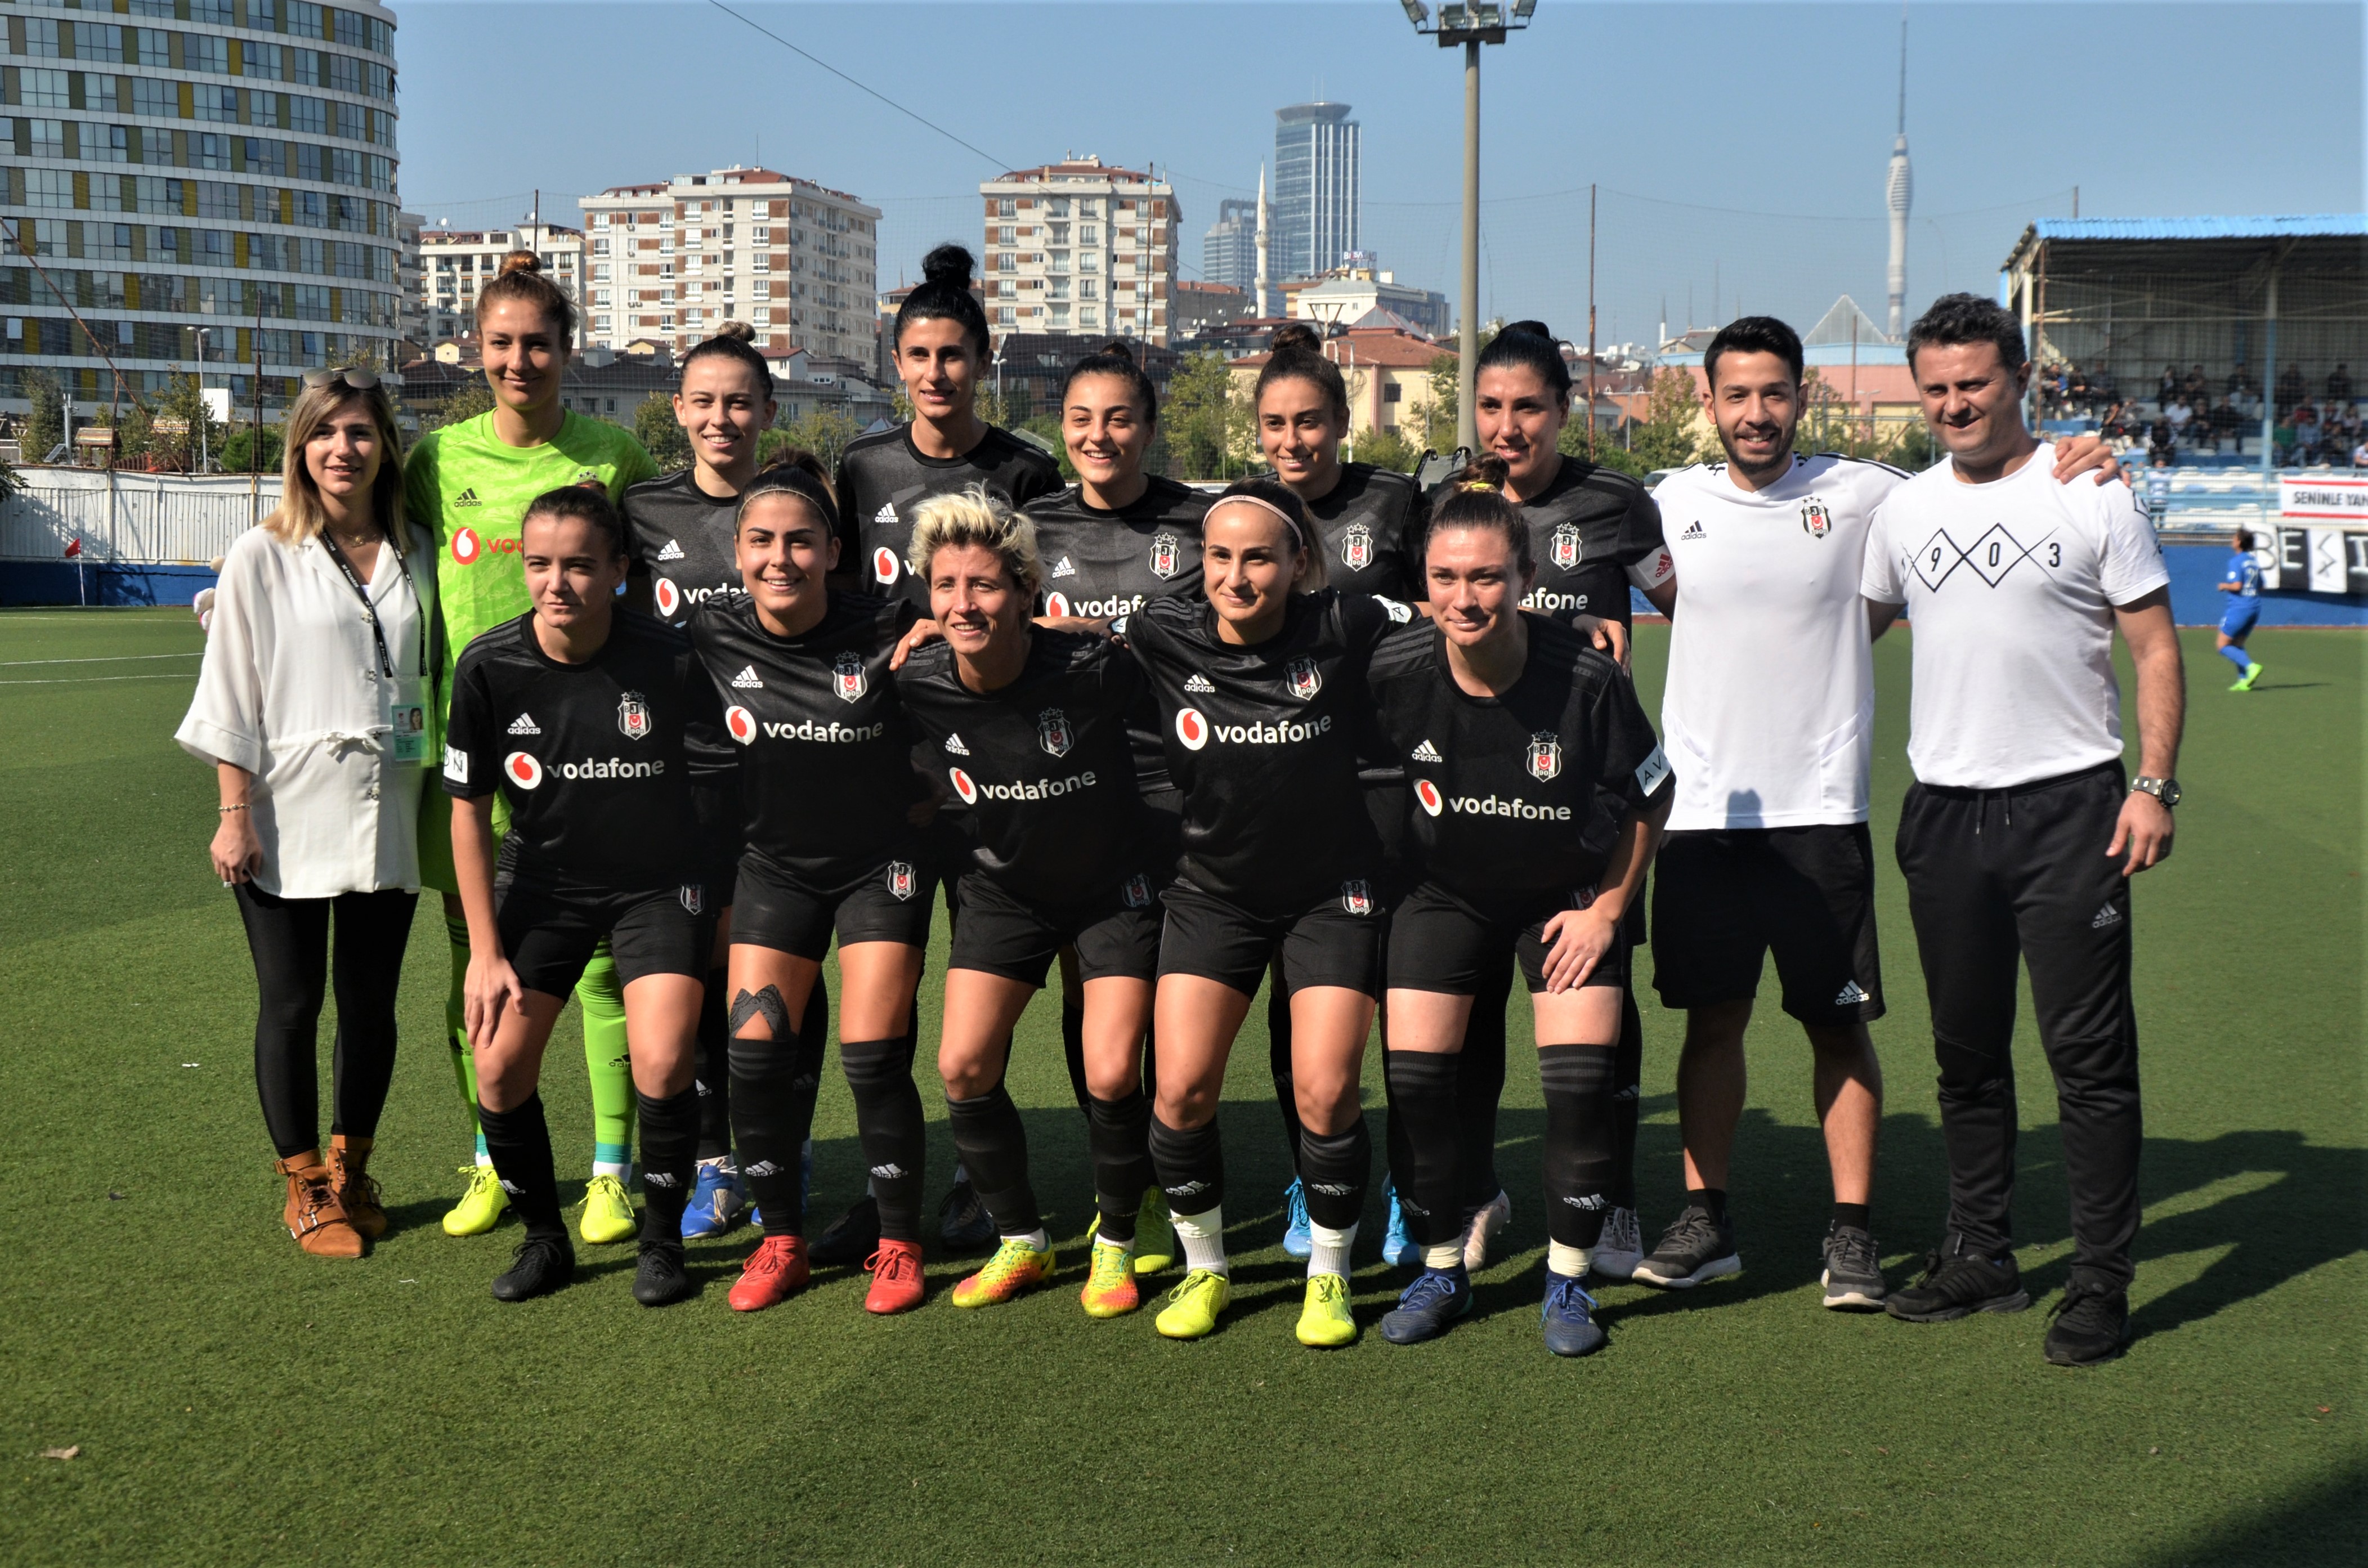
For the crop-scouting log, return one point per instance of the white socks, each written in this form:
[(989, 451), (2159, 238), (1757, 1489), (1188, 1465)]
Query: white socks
[(1446, 1255), (622, 1171), (1573, 1261), (1035, 1238), (1203, 1235), (1330, 1254)]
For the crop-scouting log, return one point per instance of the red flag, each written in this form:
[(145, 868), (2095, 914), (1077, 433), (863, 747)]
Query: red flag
[(73, 547)]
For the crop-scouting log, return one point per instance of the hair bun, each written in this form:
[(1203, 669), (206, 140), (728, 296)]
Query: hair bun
[(520, 261), (1295, 335), (1534, 329), (948, 264), (1489, 472), (1116, 348), (737, 331)]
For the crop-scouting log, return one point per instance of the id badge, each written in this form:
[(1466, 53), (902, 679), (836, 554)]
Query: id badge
[(407, 724)]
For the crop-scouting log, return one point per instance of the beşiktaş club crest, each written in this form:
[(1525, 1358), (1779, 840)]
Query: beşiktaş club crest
[(1135, 892), (1545, 755), (1307, 680), (1816, 518), (1356, 547), (1166, 555), (846, 677), (633, 716), (1356, 897), (694, 898), (1562, 548), (1053, 732), (902, 878)]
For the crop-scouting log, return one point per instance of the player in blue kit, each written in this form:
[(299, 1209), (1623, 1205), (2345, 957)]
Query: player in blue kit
[(2242, 578)]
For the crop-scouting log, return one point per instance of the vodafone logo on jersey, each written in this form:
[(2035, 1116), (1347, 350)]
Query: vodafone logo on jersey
[(1426, 795), (1191, 728), (668, 598), (523, 770), (466, 546), (1056, 604), (885, 567), (741, 723), (964, 785)]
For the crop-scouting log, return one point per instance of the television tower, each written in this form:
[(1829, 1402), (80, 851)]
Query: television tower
[(1898, 190)]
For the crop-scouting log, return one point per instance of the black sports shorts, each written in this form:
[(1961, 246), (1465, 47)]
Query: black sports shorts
[(1116, 936), (1335, 942), (1439, 942), (550, 933), (1725, 898), (889, 901)]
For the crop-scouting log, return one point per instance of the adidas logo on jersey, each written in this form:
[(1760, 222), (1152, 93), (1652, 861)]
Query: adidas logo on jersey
[(1196, 681), (886, 516), (1064, 567), (673, 551), (2105, 918), (1427, 753), (1693, 530), (954, 744), (467, 498), (1848, 994), (524, 724), (746, 679)]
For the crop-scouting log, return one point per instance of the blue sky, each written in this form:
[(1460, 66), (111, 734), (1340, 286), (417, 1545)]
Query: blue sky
[(1739, 150)]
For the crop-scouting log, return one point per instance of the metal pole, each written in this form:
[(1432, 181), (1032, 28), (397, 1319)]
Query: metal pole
[(254, 433), (2269, 402), (204, 455), (1467, 427), (1590, 321)]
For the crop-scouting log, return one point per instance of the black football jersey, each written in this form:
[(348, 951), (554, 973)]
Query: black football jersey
[(1517, 798), (1042, 765), (1263, 741), (593, 759), (881, 477), (1102, 564), (1372, 525), (1594, 531), (679, 537), (824, 749)]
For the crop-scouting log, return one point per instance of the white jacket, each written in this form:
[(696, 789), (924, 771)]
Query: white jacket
[(291, 692)]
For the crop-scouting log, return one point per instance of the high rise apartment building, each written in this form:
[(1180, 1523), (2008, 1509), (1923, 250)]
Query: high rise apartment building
[(454, 264), (1080, 246), (673, 260), (1316, 190), (1229, 250), (178, 166)]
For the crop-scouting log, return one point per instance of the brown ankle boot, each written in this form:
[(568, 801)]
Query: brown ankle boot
[(313, 1215), (348, 1162)]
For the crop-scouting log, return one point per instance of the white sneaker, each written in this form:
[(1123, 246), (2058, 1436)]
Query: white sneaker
[(1622, 1248), (1484, 1228)]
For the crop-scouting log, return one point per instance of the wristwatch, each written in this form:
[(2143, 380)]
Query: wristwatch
[(2164, 789)]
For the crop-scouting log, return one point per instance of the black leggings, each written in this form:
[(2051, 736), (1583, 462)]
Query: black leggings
[(289, 938)]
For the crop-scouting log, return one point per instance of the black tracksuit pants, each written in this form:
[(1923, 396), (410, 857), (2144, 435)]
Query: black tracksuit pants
[(1993, 875)]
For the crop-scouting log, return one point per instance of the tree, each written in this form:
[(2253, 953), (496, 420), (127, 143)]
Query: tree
[(660, 434), (1207, 421), (1388, 449), (825, 433), (183, 428), (1439, 415), (45, 423), (1666, 437), (240, 452), (467, 401)]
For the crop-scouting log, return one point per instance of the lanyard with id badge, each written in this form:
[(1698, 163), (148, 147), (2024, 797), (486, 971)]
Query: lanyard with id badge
[(403, 704)]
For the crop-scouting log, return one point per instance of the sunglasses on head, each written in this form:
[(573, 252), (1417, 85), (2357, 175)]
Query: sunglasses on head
[(353, 376)]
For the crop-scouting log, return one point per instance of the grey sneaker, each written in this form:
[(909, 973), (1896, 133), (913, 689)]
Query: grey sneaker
[(963, 1223), (1694, 1248), (1622, 1248), (1854, 1277)]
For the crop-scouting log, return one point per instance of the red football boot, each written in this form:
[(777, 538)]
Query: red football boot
[(895, 1278), (774, 1272)]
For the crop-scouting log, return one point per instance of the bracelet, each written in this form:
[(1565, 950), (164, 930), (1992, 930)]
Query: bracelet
[(220, 809)]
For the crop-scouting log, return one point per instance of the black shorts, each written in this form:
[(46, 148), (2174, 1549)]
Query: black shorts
[(1335, 942), (1439, 942), (1385, 807), (1116, 936), (1724, 899), (887, 902), (550, 933)]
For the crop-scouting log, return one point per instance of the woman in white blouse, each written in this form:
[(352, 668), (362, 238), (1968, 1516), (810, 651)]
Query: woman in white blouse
[(312, 709)]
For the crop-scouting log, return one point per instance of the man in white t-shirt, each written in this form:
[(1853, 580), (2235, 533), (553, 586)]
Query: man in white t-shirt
[(2022, 832), (1767, 717)]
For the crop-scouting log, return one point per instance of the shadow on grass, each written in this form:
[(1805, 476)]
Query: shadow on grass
[(2324, 1521)]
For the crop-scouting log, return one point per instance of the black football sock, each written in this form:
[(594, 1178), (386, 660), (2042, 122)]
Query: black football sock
[(1278, 1060), (1578, 1152), (1337, 1166), (889, 1122), (1627, 1070), (1711, 1200), (774, 1083), (1857, 1215), (1423, 1137), (1479, 1086), (1072, 1043), (670, 1154), (713, 1074), (1190, 1163), (994, 1148), (1117, 1132), (519, 1142)]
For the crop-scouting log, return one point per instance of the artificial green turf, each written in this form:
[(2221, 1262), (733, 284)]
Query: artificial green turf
[(235, 1401)]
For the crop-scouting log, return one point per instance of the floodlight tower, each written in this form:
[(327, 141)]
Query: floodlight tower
[(1898, 190)]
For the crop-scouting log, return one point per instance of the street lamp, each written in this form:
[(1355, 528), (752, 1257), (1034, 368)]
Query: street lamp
[(1469, 24)]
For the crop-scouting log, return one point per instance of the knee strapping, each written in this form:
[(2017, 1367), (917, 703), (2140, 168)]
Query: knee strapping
[(766, 1004)]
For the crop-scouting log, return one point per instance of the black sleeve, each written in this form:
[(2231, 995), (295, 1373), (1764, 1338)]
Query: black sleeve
[(1365, 619), (850, 533), (1640, 528), (1413, 533), (1039, 483), (1634, 769), (472, 750), (707, 748)]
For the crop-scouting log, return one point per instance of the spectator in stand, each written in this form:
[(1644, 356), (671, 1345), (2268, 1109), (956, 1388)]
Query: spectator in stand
[(2178, 416), (2167, 390), (2290, 390), (2282, 439), (2161, 447), (2306, 427), (2078, 395), (2241, 382), (2359, 453), (2196, 386), (2227, 424), (2339, 384), (2103, 385)]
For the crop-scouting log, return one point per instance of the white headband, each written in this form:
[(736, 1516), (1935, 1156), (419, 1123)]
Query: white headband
[(1298, 537)]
